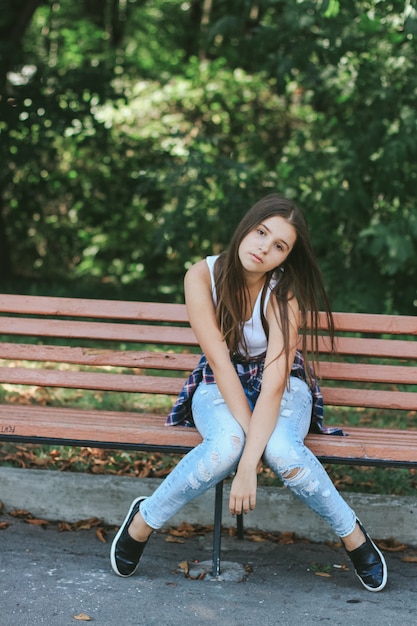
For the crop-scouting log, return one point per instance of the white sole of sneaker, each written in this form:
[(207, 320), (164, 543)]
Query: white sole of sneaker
[(384, 565)]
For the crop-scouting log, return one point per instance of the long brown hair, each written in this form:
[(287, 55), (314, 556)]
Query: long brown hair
[(299, 277)]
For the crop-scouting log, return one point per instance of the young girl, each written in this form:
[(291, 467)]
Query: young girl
[(253, 394)]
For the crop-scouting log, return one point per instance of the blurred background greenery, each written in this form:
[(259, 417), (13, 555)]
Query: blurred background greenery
[(134, 134)]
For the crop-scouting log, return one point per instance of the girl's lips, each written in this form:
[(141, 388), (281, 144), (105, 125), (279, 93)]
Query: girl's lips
[(256, 257)]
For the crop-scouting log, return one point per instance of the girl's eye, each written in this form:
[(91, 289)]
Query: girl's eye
[(260, 231), (278, 246)]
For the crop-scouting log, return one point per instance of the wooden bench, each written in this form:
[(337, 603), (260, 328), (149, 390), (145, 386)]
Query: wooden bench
[(143, 349)]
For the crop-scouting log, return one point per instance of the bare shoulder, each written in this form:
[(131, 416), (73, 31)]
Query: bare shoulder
[(198, 270), (197, 285), (201, 310)]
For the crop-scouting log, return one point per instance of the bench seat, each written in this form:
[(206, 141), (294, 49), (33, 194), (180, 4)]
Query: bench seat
[(147, 431)]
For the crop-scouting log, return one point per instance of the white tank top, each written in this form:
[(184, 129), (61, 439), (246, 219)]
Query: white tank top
[(256, 341)]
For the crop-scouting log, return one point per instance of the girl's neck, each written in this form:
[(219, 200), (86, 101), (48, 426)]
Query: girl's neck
[(253, 289), (254, 281)]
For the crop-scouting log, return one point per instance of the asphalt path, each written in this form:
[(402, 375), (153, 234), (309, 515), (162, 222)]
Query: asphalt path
[(53, 576)]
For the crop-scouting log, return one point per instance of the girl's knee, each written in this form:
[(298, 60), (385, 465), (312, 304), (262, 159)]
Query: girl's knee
[(231, 448), (283, 456), (225, 451), (218, 461)]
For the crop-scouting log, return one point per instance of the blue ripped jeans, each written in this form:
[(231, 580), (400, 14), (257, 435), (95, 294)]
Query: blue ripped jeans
[(219, 453)]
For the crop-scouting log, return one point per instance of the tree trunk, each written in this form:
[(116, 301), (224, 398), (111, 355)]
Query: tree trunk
[(5, 260)]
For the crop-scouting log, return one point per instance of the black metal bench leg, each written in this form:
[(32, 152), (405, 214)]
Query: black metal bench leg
[(239, 526), (217, 536)]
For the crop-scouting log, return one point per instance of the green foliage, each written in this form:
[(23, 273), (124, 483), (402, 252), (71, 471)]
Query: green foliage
[(208, 146), (352, 160), (135, 139)]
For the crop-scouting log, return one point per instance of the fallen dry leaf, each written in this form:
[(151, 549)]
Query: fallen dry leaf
[(86, 524), (36, 522), (20, 513), (183, 530), (179, 533), (171, 539), (100, 534), (391, 545), (323, 574), (410, 558), (186, 526), (287, 538), (184, 566), (82, 617), (4, 525)]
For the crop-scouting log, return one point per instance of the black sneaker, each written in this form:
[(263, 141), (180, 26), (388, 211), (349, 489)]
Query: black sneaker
[(125, 551), (370, 566)]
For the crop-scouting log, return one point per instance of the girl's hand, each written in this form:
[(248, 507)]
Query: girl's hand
[(243, 492)]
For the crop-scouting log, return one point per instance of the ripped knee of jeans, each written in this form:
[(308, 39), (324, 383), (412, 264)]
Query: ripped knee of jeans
[(291, 473), (204, 471), (213, 466), (299, 478), (237, 443)]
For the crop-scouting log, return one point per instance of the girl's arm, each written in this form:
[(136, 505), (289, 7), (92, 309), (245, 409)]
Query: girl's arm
[(264, 417), (202, 316)]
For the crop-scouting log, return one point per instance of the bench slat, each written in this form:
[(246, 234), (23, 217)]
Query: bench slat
[(68, 379), (368, 373), (138, 430), (93, 425), (370, 398), (364, 444), (138, 333), (143, 359), (370, 323), (83, 307), (381, 348)]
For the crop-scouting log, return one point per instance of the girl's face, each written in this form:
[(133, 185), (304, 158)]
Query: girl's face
[(267, 246)]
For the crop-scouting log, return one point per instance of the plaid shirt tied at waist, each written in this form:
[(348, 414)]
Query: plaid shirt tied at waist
[(250, 375)]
